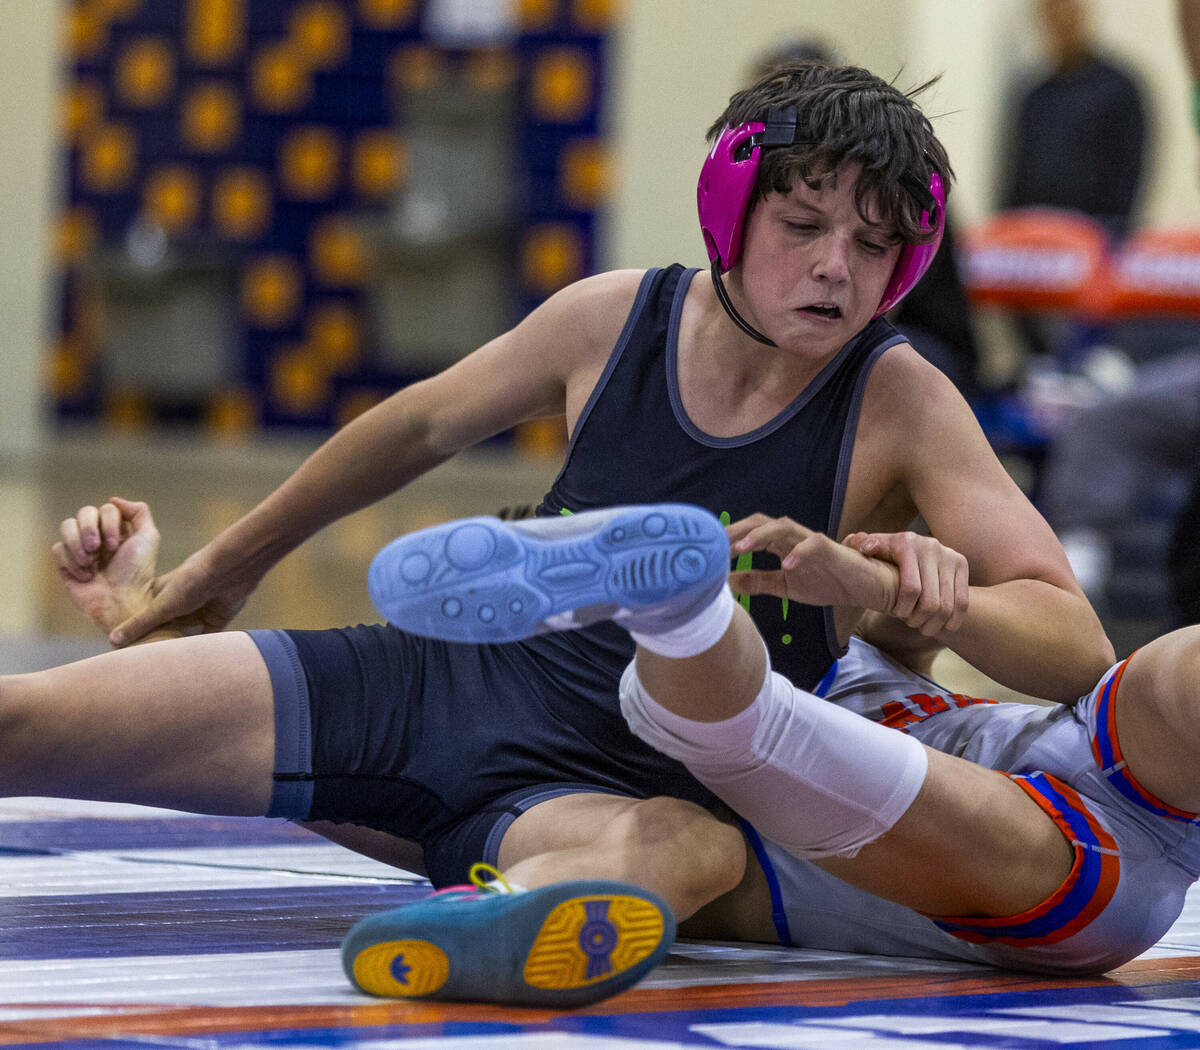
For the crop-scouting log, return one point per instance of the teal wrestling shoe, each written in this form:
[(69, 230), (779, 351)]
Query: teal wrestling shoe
[(560, 946), (485, 580)]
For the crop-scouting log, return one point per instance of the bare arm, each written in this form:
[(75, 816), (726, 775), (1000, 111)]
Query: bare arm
[(534, 370), (1027, 623), (123, 584)]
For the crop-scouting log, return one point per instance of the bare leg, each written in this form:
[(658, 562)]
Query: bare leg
[(971, 842), (187, 724), (670, 847), (378, 845), (1157, 707)]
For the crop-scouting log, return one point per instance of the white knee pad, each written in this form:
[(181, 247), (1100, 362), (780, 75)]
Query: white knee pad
[(818, 780)]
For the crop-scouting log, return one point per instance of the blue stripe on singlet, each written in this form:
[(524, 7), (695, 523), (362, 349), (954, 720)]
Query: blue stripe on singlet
[(1107, 750), (1096, 875), (778, 915), (824, 684)]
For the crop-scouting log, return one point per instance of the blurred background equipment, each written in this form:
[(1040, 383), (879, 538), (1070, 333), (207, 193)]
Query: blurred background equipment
[(277, 213)]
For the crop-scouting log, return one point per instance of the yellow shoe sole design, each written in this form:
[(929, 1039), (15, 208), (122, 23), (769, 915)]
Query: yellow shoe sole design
[(589, 939), (401, 968)]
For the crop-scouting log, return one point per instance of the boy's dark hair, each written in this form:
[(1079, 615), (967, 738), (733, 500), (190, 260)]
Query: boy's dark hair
[(845, 113)]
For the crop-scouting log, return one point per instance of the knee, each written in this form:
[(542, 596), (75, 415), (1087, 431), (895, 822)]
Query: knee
[(17, 713), (28, 732), (679, 849)]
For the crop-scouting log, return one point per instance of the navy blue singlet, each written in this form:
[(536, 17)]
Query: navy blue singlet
[(634, 443), (527, 720)]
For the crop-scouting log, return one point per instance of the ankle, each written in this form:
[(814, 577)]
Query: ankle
[(690, 633)]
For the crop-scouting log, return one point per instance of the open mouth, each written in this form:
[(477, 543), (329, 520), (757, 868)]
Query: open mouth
[(832, 313)]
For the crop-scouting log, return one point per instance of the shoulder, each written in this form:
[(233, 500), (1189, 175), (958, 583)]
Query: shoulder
[(614, 290), (595, 304), (910, 406), (588, 307), (1116, 78), (902, 382), (573, 332)]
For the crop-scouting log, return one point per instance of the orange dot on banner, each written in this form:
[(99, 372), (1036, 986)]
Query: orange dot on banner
[(386, 14), (562, 85), (75, 235), (596, 16), (271, 289), (309, 161), (114, 10), (67, 371), (334, 334), (353, 404), (216, 30), (231, 414), (81, 108), (212, 117), (337, 254), (416, 68), (299, 381), (279, 80), (585, 173), (542, 438), (172, 197), (241, 203), (377, 162), (145, 72), (85, 31), (491, 69), (108, 158), (320, 31), (127, 411), (551, 257), (537, 14)]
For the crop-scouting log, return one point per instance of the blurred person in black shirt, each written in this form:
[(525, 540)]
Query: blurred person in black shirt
[(1079, 134)]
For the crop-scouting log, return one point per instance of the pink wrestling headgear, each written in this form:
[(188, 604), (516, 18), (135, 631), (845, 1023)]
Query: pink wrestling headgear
[(727, 181)]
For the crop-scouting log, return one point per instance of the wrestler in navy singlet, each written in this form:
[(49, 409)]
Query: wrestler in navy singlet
[(447, 744), (634, 443)]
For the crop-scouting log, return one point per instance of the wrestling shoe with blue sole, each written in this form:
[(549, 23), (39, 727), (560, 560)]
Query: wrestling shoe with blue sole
[(486, 580), (560, 946)]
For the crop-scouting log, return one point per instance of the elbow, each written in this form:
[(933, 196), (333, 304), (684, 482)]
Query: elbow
[(1101, 654), (1098, 656), (1108, 654), (1091, 654)]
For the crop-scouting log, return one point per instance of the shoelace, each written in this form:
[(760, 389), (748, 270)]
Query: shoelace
[(484, 879)]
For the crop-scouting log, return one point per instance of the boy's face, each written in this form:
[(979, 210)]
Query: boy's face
[(812, 270)]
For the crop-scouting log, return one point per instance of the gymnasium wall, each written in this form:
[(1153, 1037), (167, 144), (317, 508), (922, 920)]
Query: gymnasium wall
[(675, 71), (669, 65)]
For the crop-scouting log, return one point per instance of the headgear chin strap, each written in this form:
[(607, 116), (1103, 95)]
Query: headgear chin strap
[(727, 181)]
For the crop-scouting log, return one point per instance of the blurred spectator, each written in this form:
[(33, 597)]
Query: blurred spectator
[(1077, 141), (935, 315), (1118, 464), (1078, 136), (790, 51), (1183, 555), (1183, 560)]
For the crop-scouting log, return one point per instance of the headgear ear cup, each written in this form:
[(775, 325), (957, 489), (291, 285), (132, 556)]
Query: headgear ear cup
[(915, 258), (723, 192), (723, 199)]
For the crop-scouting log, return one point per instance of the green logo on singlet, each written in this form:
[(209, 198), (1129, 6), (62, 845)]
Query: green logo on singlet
[(743, 564)]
